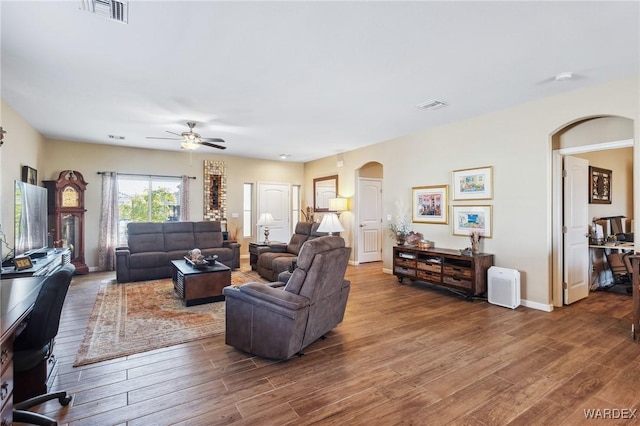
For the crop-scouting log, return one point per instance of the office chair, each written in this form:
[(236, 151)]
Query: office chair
[(620, 267), (34, 345)]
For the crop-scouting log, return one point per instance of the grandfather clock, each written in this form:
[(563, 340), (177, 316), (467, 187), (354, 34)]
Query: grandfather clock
[(66, 215)]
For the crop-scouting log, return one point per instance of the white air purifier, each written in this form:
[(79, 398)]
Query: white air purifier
[(503, 287)]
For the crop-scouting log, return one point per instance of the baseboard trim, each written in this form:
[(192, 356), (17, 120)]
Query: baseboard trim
[(535, 305)]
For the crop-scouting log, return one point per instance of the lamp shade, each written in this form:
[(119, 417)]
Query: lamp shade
[(330, 223), (265, 219), (338, 204)]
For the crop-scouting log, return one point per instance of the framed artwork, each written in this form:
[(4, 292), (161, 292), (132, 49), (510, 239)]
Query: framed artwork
[(29, 175), (467, 219), (430, 204), (599, 185), (473, 184)]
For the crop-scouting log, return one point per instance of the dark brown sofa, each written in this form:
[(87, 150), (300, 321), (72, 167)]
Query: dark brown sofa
[(278, 257), (278, 321), (152, 247)]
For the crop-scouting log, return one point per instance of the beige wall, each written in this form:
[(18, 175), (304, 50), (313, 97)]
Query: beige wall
[(25, 146), (517, 143), (92, 158), (620, 162), (22, 147), (594, 131)]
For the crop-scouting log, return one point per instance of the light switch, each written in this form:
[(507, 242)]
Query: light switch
[(389, 217), (234, 215)]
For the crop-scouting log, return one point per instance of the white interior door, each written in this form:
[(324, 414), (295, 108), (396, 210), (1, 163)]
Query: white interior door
[(575, 229), (275, 198), (369, 220)]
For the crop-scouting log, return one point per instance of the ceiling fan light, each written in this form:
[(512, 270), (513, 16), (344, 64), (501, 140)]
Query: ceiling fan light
[(187, 144)]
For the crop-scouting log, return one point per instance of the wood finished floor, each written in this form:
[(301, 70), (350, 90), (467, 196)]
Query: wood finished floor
[(405, 354)]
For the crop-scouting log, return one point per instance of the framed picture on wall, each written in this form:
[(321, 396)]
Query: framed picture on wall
[(29, 175), (467, 219), (473, 184), (599, 185), (430, 204)]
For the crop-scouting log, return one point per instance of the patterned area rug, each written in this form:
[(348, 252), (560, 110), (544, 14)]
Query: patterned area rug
[(138, 317)]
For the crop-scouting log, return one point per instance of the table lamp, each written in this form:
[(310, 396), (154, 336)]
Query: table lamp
[(266, 220), (330, 223)]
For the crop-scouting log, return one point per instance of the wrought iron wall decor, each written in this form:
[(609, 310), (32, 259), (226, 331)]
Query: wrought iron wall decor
[(599, 185), (215, 190)]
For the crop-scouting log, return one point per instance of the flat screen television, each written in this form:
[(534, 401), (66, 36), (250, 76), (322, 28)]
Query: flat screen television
[(31, 233)]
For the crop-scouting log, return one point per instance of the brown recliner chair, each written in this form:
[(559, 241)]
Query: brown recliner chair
[(276, 258), (276, 321)]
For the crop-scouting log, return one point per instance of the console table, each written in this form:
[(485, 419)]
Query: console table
[(443, 267)]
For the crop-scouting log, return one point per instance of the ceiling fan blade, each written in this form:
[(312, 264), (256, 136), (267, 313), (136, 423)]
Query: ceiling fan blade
[(173, 133), (213, 145), (169, 139), (218, 140)]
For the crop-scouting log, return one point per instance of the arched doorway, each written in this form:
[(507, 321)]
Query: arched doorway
[(590, 138)]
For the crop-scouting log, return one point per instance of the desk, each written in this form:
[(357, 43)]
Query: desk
[(620, 246), (17, 297), (41, 266)]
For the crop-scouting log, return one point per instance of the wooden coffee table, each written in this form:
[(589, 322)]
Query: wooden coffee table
[(200, 285)]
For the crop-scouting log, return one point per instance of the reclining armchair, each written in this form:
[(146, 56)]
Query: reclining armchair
[(278, 321), (279, 257)]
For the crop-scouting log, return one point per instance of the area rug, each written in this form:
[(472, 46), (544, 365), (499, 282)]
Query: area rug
[(138, 317)]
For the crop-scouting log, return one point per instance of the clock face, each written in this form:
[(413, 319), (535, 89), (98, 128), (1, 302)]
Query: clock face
[(70, 197)]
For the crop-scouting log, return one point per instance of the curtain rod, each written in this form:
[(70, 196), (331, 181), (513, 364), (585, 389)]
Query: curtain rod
[(147, 175)]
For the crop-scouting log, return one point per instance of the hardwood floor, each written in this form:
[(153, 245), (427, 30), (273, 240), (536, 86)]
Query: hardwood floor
[(405, 354)]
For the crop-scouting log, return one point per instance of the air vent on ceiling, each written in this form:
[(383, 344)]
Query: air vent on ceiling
[(434, 104), (116, 137), (116, 10)]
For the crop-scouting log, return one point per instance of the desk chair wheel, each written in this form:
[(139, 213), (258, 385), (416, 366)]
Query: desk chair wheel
[(65, 400)]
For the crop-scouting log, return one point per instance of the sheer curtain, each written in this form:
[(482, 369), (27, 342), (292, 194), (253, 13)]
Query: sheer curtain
[(108, 238), (184, 199)]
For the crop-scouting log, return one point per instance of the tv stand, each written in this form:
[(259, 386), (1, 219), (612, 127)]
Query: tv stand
[(42, 266)]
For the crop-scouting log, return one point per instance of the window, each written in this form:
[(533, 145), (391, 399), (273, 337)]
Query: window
[(135, 204), (247, 210), (295, 207)]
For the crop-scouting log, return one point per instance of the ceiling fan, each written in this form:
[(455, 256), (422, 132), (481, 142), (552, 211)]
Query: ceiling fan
[(192, 140)]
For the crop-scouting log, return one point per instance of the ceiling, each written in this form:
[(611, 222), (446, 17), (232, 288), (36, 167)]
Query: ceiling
[(307, 79)]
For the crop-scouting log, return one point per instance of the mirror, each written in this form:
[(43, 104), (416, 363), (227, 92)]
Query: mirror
[(324, 188)]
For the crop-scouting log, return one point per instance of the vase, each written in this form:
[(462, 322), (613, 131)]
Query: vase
[(401, 238), (475, 246)]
